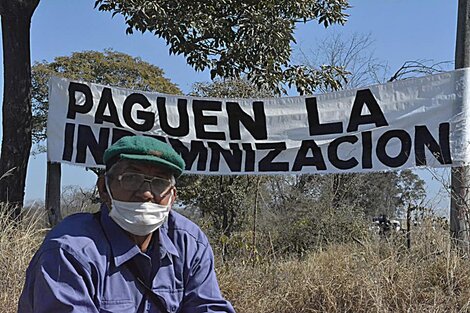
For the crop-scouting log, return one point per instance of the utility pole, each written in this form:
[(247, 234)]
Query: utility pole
[(460, 177)]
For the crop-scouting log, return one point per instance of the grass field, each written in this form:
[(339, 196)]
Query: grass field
[(377, 275)]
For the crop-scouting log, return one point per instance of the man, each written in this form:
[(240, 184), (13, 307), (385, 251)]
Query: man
[(135, 255)]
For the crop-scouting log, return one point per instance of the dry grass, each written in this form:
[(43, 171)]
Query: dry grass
[(18, 242), (376, 276)]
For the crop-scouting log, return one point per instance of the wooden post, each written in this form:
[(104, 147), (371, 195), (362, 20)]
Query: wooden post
[(254, 251), (460, 176), (53, 181), (408, 226)]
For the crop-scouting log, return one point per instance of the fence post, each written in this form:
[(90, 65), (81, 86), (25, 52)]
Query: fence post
[(53, 181)]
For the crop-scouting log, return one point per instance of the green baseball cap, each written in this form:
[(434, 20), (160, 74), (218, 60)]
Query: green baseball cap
[(144, 149)]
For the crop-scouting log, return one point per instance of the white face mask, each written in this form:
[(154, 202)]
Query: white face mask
[(139, 218)]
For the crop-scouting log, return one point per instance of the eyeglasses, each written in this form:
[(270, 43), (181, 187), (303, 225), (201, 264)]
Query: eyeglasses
[(134, 181)]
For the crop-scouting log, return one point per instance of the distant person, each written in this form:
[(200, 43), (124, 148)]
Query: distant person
[(136, 254)]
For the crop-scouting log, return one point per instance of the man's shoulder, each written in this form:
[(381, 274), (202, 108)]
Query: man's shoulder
[(75, 232), (77, 237), (178, 223)]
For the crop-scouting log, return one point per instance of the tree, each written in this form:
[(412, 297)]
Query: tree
[(305, 212), (16, 144), (220, 198), (378, 193), (354, 53), (76, 199), (231, 37), (106, 68), (301, 215)]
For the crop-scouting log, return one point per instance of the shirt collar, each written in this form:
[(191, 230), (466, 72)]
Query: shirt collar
[(123, 248), (166, 244)]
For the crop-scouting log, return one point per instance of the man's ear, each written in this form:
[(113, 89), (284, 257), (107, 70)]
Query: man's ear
[(173, 192), (103, 192)]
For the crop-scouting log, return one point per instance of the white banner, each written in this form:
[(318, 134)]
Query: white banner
[(404, 124)]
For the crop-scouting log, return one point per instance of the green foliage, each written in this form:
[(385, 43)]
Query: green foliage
[(379, 193), (107, 68), (301, 223), (232, 37), (230, 88), (412, 188), (309, 212), (373, 193), (222, 199)]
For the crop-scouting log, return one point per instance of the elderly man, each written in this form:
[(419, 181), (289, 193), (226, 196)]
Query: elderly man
[(135, 255)]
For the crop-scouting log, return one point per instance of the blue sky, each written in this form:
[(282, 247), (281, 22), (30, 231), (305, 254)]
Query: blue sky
[(403, 30)]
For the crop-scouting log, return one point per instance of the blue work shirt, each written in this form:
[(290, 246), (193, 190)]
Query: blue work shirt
[(80, 267)]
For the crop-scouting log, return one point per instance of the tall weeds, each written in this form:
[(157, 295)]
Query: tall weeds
[(374, 275), (19, 239), (377, 276)]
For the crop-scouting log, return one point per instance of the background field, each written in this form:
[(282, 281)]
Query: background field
[(366, 274)]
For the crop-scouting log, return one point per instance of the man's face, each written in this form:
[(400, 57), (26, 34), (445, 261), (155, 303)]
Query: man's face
[(133, 181)]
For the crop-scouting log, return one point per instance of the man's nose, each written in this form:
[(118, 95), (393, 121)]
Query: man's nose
[(145, 192)]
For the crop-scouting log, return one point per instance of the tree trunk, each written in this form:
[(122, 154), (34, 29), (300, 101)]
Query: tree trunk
[(16, 142)]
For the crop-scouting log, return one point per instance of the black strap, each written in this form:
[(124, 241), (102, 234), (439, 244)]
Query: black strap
[(152, 296)]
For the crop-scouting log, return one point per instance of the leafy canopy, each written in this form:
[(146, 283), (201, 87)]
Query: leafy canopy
[(107, 68), (232, 37)]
